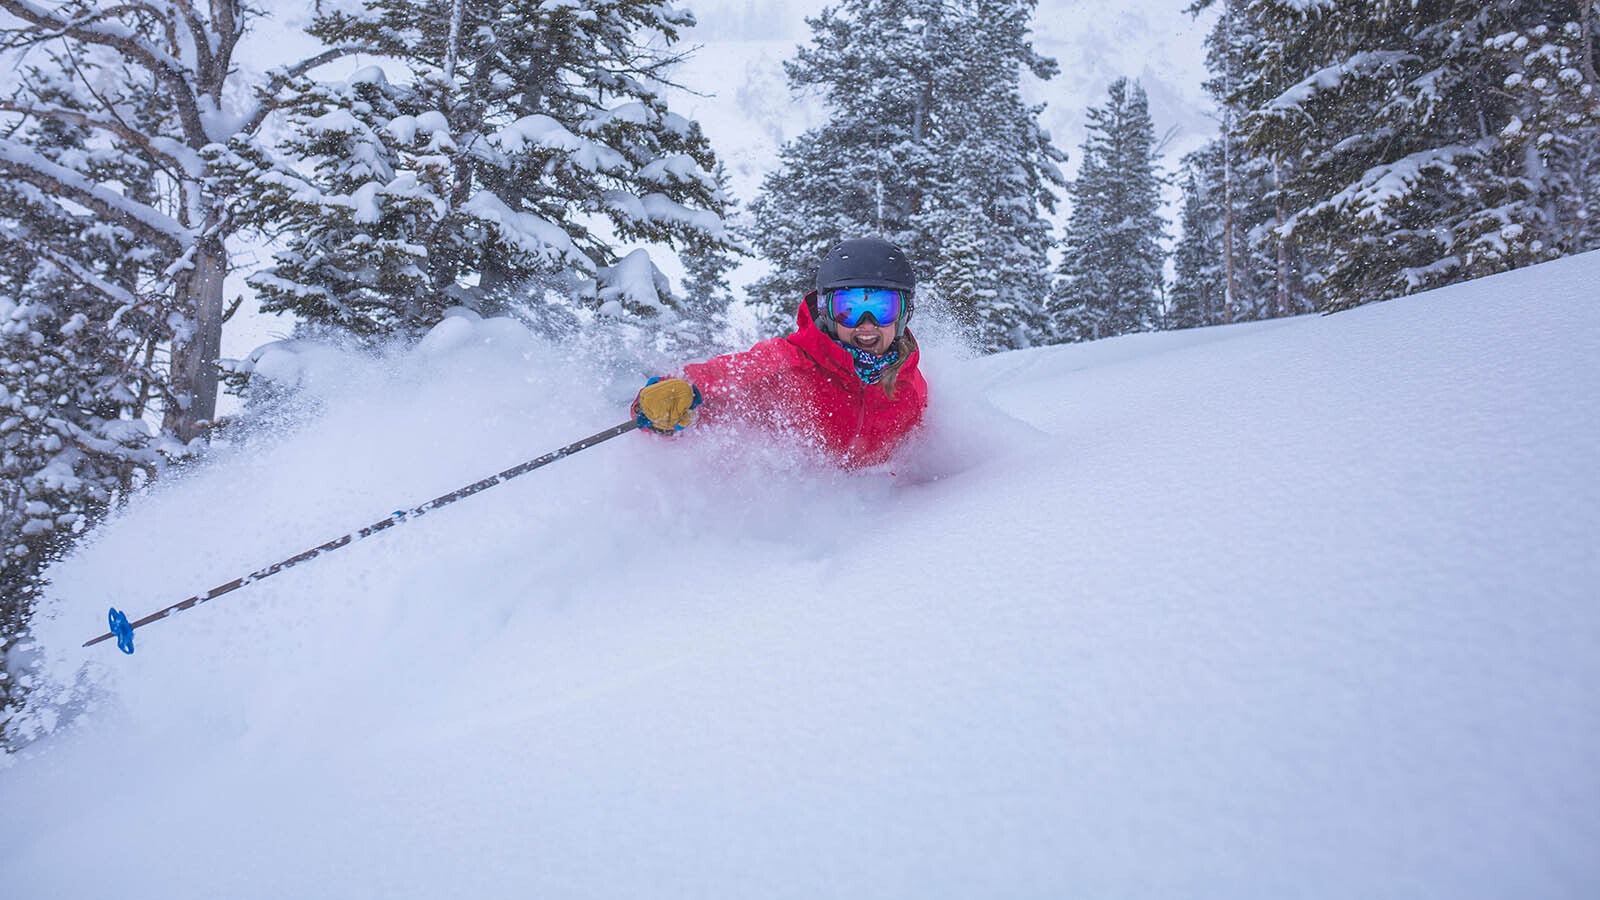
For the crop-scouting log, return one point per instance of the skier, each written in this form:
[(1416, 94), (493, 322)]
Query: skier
[(845, 381)]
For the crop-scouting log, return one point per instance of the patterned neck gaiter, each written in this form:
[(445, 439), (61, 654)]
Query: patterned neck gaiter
[(870, 368)]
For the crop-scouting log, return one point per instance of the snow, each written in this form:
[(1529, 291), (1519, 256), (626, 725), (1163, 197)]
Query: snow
[(540, 130), (405, 128), (1332, 78), (633, 282), (532, 233), (1296, 608), (634, 113)]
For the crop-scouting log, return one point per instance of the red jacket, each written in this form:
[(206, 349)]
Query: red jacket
[(806, 385)]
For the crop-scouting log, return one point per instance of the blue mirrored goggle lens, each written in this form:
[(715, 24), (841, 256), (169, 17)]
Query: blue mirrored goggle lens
[(848, 306)]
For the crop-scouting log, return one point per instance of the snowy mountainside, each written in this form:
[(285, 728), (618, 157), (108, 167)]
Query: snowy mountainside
[(1300, 608)]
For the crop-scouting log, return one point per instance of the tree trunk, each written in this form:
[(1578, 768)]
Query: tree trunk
[(1230, 287), (1281, 270), (1586, 17), (194, 355)]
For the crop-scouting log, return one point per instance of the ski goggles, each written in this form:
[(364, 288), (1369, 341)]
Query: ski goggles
[(849, 306)]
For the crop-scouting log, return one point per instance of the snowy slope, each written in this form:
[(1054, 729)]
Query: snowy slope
[(1302, 608)]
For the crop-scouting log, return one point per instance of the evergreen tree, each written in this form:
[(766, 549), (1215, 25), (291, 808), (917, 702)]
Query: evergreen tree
[(529, 138), (930, 146), (1199, 289), (77, 343), (149, 82), (1230, 250), (1413, 145), (367, 231), (68, 449), (1261, 266), (1111, 276), (707, 293), (1555, 132), (963, 274)]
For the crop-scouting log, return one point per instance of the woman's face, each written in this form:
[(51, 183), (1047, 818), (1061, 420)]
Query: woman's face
[(874, 339)]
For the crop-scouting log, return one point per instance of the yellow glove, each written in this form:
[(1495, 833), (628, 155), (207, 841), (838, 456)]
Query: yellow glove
[(666, 404)]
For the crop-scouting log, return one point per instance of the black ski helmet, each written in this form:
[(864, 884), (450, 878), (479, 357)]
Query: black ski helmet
[(866, 262)]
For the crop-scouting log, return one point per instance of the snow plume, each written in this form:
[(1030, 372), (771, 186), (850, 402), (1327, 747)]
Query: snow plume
[(1302, 607)]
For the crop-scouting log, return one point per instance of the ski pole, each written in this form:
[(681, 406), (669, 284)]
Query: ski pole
[(122, 629)]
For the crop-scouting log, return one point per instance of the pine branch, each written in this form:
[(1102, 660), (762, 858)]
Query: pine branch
[(114, 126), (23, 162), (267, 99), (109, 290), (94, 29)]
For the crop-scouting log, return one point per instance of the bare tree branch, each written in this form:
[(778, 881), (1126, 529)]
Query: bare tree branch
[(198, 32)]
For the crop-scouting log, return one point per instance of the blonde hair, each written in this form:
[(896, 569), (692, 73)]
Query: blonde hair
[(904, 345)]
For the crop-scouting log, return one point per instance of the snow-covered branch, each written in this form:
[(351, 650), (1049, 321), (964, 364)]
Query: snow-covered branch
[(113, 292), (1383, 187), (102, 30), (1332, 78), (201, 35), (267, 95), (20, 161), (164, 151)]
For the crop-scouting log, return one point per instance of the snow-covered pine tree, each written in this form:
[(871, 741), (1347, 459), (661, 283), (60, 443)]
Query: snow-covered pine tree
[(155, 84), (707, 293), (985, 198), (1398, 135), (1556, 132), (1246, 289), (810, 202), (84, 311), (528, 139), (1199, 289), (1263, 269), (929, 144), (77, 342), (1311, 81), (852, 176), (1111, 274), (364, 232), (964, 274), (69, 447)]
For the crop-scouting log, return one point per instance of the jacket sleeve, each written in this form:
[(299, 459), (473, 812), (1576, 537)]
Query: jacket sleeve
[(737, 380)]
